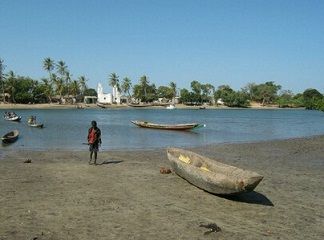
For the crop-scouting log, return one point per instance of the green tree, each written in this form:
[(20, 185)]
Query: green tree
[(2, 67), (114, 80), (90, 92), (75, 88), (126, 86), (144, 83), (311, 98), (173, 87), (11, 85), (82, 84), (165, 92), (48, 65), (47, 89)]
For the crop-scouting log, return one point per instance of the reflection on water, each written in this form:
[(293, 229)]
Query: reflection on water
[(67, 129)]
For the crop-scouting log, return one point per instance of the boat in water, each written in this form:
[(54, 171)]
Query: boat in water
[(11, 116), (32, 122), (211, 175), (171, 106), (184, 126), (10, 137)]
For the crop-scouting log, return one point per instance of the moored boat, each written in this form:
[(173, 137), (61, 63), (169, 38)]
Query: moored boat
[(184, 126), (140, 105), (10, 137), (37, 125), (32, 122), (11, 116), (211, 175)]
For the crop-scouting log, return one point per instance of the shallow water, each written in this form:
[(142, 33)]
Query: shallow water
[(67, 128)]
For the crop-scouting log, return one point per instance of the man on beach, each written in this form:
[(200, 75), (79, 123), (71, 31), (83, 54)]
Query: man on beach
[(94, 141)]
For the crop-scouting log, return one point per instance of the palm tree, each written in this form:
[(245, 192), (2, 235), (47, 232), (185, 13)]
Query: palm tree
[(114, 81), (173, 87), (11, 85), (61, 68), (48, 89), (75, 88), (144, 82), (68, 81), (126, 86), (48, 65), (82, 84), (63, 72), (2, 66)]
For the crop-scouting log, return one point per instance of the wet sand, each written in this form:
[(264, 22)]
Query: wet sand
[(60, 196)]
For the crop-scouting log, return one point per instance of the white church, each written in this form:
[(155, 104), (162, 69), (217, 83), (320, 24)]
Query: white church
[(108, 98)]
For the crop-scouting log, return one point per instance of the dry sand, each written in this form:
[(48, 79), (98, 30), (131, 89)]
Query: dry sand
[(60, 196)]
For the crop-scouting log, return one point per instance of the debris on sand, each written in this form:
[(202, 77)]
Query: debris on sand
[(28, 161), (212, 228), (164, 170)]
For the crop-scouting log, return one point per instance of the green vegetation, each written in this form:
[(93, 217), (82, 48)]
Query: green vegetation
[(60, 86)]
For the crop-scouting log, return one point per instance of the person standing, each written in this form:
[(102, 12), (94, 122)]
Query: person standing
[(94, 141)]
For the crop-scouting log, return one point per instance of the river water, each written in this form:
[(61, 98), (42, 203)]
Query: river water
[(66, 129)]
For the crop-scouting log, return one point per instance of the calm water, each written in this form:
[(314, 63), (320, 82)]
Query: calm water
[(67, 129)]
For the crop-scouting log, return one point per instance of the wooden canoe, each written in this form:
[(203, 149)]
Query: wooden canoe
[(10, 137), (13, 118), (36, 125), (185, 126), (140, 105), (210, 175)]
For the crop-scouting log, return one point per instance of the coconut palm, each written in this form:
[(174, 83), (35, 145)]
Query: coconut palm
[(48, 65), (173, 87), (11, 85), (2, 67), (61, 68), (75, 88), (126, 86), (48, 89), (144, 82), (114, 80), (82, 84)]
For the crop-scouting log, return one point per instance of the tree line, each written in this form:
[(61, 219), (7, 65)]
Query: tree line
[(60, 84)]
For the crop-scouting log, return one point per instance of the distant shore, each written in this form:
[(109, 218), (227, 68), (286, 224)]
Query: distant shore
[(60, 196), (115, 106)]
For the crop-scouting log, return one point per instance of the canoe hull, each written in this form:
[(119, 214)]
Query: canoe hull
[(212, 176), (187, 126), (14, 119), (10, 137)]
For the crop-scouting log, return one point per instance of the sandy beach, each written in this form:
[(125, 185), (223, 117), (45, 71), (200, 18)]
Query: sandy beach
[(60, 196)]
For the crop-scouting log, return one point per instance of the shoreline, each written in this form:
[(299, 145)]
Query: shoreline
[(60, 196), (8, 106)]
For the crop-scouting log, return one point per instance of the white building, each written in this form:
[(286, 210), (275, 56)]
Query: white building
[(108, 98)]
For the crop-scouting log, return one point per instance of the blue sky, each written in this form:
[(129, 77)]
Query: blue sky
[(212, 41)]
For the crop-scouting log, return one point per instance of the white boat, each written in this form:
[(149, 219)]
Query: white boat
[(11, 116), (171, 106)]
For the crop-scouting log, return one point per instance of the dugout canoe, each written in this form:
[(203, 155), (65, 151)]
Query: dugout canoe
[(10, 137), (184, 126), (211, 175)]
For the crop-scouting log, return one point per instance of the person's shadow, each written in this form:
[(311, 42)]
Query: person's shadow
[(250, 197), (110, 162)]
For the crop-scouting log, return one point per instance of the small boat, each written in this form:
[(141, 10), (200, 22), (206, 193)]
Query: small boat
[(10, 137), (103, 105), (211, 175), (32, 122), (141, 105), (11, 116), (37, 125), (185, 126), (171, 106)]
